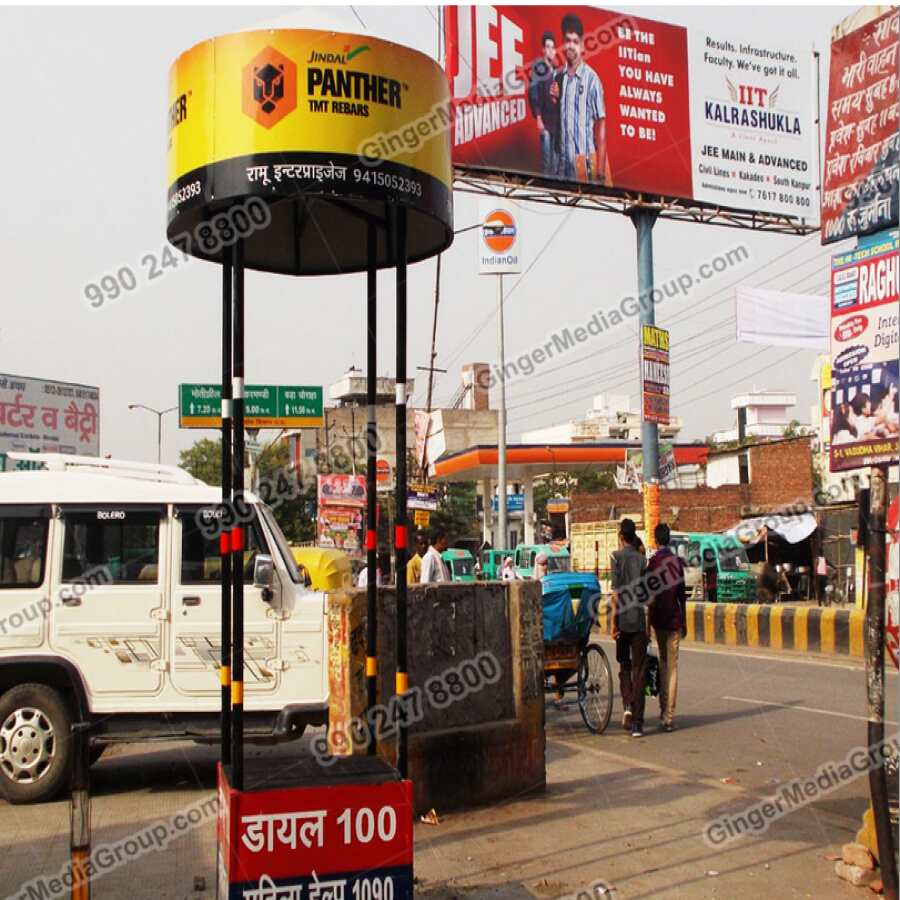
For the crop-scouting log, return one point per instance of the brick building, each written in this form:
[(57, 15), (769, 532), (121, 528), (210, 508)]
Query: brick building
[(749, 481)]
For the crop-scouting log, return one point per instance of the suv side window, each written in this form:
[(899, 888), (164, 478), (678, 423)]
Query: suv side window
[(201, 562), (23, 547), (111, 546)]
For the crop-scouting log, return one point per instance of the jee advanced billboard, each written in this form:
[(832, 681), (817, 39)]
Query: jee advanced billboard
[(581, 95)]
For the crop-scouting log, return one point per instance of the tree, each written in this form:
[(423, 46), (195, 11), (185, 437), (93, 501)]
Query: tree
[(457, 511), (203, 460)]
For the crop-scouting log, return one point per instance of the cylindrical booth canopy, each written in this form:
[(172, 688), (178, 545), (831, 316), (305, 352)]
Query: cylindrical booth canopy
[(329, 129)]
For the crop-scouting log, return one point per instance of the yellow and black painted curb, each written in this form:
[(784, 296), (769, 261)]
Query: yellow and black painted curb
[(811, 629)]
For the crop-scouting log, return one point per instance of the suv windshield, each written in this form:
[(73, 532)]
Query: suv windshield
[(281, 543)]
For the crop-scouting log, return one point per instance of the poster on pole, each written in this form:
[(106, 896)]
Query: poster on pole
[(861, 180), (865, 337), (342, 490), (581, 96), (40, 416), (655, 374), (499, 245)]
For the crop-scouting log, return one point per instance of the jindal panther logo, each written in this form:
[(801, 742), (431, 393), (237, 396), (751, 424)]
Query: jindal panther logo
[(269, 87), (498, 230)]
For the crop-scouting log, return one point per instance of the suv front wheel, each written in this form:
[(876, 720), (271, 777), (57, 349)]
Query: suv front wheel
[(35, 726)]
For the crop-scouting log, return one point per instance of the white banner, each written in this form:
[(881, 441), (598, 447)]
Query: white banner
[(47, 417), (780, 319), (752, 130)]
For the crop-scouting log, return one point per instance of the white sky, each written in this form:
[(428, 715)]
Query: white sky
[(83, 158)]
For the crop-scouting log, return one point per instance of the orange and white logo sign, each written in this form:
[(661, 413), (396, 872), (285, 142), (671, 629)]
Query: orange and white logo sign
[(498, 250)]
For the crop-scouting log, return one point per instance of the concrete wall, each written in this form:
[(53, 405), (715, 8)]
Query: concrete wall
[(481, 749)]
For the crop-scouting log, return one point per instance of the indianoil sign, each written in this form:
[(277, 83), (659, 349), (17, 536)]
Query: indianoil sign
[(310, 117), (499, 244)]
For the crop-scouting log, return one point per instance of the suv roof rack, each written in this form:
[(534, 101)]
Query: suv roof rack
[(121, 468)]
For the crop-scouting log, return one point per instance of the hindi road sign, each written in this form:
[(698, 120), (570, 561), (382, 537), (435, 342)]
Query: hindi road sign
[(265, 406)]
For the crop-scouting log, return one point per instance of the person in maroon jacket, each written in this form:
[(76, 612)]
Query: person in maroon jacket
[(668, 616)]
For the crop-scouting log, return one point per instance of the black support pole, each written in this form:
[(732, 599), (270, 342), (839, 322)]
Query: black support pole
[(371, 511), (224, 536), (401, 531), (237, 533), (874, 647)]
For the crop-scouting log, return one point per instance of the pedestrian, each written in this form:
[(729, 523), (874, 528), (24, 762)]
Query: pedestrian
[(414, 566), (434, 569), (631, 626), (362, 579), (821, 578), (508, 570), (710, 575), (541, 566), (668, 616)]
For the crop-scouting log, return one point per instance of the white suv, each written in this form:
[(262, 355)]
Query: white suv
[(110, 607)]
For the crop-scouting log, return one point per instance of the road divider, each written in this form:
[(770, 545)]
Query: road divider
[(807, 629)]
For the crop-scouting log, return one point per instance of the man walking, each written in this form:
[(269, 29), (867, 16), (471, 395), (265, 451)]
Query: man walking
[(414, 566), (544, 107), (434, 569), (668, 615), (631, 627)]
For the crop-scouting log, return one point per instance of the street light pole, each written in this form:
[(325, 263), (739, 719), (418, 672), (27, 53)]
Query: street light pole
[(159, 413)]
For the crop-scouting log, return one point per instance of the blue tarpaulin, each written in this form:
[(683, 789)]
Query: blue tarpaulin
[(562, 622)]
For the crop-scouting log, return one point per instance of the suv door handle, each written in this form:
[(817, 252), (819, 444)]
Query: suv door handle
[(70, 598), (190, 601)]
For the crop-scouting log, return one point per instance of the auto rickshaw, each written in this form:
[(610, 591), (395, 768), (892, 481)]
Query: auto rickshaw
[(461, 564)]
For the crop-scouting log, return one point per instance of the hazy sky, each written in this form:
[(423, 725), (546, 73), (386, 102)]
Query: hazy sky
[(83, 159)]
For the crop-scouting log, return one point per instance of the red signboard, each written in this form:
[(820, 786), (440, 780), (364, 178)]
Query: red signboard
[(346, 842), (500, 48), (862, 147)]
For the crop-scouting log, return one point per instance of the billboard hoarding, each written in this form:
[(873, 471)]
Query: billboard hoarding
[(655, 374), (422, 496), (340, 528), (628, 103), (342, 490), (861, 181), (865, 335), (43, 416)]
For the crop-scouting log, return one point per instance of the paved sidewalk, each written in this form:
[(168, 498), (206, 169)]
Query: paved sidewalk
[(636, 827)]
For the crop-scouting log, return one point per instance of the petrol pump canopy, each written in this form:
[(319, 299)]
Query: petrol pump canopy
[(330, 130)]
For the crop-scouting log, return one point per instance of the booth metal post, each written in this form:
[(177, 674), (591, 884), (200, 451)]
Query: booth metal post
[(400, 537), (224, 538), (237, 532), (80, 812), (371, 499)]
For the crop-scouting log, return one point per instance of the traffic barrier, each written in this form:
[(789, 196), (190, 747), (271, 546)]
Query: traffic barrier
[(807, 629)]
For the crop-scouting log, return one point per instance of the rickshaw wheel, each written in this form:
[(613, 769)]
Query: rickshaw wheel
[(595, 688)]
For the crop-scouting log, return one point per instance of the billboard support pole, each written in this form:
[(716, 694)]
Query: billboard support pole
[(371, 514), (501, 427), (874, 647), (643, 221)]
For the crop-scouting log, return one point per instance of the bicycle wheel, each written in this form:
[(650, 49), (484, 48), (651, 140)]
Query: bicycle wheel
[(595, 688)]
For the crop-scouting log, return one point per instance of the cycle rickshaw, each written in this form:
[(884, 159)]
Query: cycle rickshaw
[(571, 601)]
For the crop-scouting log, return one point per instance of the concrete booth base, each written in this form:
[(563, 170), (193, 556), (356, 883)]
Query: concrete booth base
[(475, 706)]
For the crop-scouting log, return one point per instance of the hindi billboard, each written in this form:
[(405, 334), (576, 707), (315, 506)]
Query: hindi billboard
[(862, 140), (865, 334), (580, 95), (655, 374), (41, 416)]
